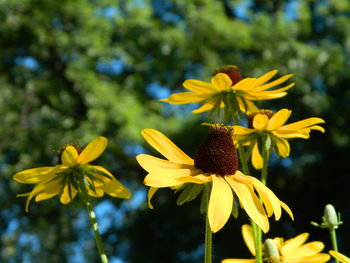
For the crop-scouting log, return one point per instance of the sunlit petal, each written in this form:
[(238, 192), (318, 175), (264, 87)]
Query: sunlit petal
[(250, 203), (187, 97), (166, 147), (257, 159), (116, 189), (93, 150), (278, 119), (293, 244), (221, 82), (151, 192), (35, 175), (220, 203), (342, 258), (69, 156), (248, 237), (66, 196), (199, 86), (260, 121)]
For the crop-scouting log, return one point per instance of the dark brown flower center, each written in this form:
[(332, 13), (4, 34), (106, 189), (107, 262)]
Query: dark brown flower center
[(250, 117), (217, 154), (232, 71)]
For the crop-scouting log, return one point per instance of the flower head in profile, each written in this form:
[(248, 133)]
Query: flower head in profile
[(339, 256), (229, 89), (265, 126), (293, 250), (74, 175), (215, 162)]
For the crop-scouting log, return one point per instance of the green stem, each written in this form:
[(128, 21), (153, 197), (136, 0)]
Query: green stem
[(85, 199), (265, 156), (334, 240), (208, 233)]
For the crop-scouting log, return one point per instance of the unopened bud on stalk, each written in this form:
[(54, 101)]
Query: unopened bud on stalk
[(330, 219), (271, 254)]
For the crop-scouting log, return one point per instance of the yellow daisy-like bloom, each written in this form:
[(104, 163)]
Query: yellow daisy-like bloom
[(74, 173), (265, 124), (215, 162), (339, 256), (228, 89), (293, 250)]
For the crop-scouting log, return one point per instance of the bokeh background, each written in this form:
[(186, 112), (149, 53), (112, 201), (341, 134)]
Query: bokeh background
[(72, 70)]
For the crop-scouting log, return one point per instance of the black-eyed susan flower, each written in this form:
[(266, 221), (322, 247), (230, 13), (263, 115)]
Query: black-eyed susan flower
[(74, 174), (229, 89), (293, 250), (339, 256), (215, 162), (265, 125)]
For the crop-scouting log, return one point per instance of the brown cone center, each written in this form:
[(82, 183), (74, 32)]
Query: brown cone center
[(217, 154)]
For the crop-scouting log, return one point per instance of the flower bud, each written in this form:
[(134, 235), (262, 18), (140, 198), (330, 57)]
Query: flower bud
[(330, 216), (271, 250)]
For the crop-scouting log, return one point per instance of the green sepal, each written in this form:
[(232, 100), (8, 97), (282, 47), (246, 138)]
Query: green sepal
[(235, 205), (189, 192)]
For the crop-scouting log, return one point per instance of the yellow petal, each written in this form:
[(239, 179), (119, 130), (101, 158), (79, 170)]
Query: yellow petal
[(34, 175), (116, 189), (342, 258), (151, 192), (196, 179), (302, 124), (220, 203), (275, 82), (69, 156), (241, 131), (97, 193), (257, 159), (39, 189), (287, 209), (291, 245), (66, 196), (248, 237), (49, 191), (245, 84), (270, 200), (187, 97), (166, 178), (199, 86), (104, 178), (166, 147), (250, 203), (260, 121), (93, 150), (209, 105), (266, 77), (221, 82), (283, 148), (278, 119), (319, 258), (306, 250), (151, 163)]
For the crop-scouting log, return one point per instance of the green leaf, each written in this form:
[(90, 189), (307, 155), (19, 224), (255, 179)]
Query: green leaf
[(189, 192)]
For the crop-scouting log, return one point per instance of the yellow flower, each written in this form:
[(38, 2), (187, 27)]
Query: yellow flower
[(215, 162), (267, 125), (229, 89), (291, 251), (74, 174), (339, 256)]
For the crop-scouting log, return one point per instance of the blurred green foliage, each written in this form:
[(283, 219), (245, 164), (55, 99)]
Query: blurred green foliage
[(72, 70)]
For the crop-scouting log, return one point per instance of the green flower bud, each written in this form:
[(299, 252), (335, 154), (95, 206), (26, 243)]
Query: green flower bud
[(271, 253), (330, 216)]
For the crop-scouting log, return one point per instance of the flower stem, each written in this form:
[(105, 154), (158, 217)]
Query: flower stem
[(334, 240), (208, 233), (265, 156), (85, 199)]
